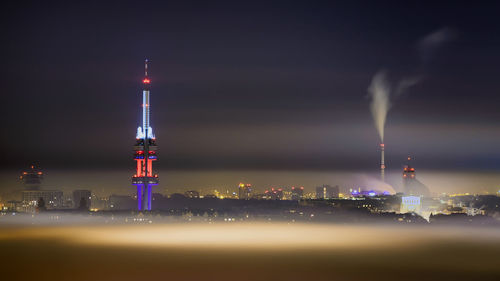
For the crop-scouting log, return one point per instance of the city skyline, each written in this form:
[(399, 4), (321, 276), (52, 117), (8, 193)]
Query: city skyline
[(250, 140)]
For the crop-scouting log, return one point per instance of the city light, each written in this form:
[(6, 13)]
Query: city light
[(272, 121)]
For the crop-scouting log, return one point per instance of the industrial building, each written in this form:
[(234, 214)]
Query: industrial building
[(411, 185)]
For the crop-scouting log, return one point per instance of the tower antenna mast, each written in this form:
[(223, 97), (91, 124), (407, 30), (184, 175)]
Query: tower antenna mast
[(145, 150)]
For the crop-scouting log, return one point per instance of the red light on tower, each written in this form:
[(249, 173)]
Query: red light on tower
[(382, 162), (145, 151)]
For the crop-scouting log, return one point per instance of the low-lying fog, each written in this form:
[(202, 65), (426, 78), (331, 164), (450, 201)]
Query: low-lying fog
[(247, 251)]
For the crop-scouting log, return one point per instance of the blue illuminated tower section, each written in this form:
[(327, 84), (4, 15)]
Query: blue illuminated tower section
[(145, 151)]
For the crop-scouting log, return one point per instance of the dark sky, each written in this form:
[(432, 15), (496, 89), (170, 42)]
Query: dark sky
[(249, 85)]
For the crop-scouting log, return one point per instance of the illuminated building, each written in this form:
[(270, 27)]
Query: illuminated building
[(53, 198), (287, 194), (410, 183), (370, 193), (410, 204), (99, 203), (192, 194), (80, 194), (14, 206), (32, 178), (244, 191), (297, 193), (145, 151), (260, 196), (327, 192), (472, 211), (274, 194)]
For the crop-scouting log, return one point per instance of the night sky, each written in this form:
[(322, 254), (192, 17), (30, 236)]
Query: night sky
[(250, 85)]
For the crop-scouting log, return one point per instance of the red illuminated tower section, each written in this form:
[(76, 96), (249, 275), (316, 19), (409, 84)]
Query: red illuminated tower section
[(408, 177), (145, 151), (408, 172)]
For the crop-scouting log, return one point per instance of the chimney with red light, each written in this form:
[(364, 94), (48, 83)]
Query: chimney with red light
[(382, 162)]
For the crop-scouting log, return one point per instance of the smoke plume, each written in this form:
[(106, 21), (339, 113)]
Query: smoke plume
[(380, 87), (429, 44), (379, 92)]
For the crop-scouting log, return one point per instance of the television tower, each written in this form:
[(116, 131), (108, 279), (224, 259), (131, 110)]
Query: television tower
[(145, 151)]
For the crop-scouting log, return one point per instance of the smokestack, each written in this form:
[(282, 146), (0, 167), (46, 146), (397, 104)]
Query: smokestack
[(382, 162), (379, 91)]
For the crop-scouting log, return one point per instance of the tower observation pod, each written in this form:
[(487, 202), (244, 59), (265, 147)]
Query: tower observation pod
[(145, 151)]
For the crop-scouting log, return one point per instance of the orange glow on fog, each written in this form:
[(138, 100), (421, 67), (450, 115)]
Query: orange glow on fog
[(249, 235)]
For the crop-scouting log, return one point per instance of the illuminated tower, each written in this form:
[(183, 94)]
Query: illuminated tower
[(145, 151), (382, 162), (411, 185), (408, 175), (32, 177)]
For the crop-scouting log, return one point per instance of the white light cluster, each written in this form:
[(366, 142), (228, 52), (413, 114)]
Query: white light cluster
[(140, 133)]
